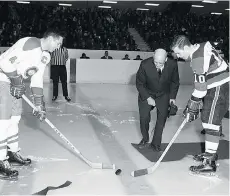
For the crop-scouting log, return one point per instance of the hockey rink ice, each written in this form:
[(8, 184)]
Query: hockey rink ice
[(102, 121)]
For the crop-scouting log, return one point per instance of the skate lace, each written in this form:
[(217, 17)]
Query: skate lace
[(6, 164), (200, 166), (18, 153)]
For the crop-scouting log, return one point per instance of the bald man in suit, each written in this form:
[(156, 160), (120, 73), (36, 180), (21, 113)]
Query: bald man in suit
[(157, 82)]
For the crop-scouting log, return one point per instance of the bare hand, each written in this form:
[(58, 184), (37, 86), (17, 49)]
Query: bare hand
[(172, 101), (151, 101)]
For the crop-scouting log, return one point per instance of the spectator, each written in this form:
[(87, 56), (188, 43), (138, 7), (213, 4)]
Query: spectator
[(106, 56), (83, 56), (126, 57), (138, 58)]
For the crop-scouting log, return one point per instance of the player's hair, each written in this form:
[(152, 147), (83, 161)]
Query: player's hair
[(180, 41), (53, 33)]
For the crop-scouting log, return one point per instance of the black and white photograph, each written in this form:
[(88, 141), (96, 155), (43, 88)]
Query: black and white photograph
[(114, 97)]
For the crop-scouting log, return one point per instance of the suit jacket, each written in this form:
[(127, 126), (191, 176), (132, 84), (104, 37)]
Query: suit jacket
[(149, 84), (109, 57)]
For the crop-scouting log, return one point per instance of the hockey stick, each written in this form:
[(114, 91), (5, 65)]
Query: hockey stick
[(91, 164), (152, 168)]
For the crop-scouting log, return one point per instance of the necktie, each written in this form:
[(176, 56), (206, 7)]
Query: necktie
[(159, 72)]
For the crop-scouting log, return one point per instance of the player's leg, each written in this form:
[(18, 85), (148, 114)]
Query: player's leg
[(12, 140), (216, 104), (6, 172)]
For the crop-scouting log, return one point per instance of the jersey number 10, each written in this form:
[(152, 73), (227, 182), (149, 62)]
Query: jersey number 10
[(199, 78)]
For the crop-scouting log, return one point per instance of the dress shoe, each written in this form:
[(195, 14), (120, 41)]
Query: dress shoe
[(142, 144), (156, 148), (54, 98), (67, 98)]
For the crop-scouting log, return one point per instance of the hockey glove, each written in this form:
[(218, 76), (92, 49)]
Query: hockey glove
[(192, 110), (17, 86), (39, 103)]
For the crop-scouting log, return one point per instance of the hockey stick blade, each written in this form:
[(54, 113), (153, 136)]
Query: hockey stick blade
[(151, 169), (140, 172), (91, 164), (103, 166)]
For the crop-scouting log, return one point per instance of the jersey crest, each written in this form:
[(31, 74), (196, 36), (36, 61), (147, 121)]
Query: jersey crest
[(29, 72), (45, 58)]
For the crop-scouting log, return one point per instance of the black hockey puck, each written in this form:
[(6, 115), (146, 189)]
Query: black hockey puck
[(118, 172)]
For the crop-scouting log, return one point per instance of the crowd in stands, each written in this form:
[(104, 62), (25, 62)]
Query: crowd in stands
[(158, 29), (84, 28), (107, 29)]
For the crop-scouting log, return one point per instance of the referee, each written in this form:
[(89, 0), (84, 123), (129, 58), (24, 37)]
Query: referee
[(58, 70)]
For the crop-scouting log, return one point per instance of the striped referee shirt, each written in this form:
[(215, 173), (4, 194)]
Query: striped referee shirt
[(59, 56)]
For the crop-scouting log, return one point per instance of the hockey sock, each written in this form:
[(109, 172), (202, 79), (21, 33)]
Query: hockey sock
[(12, 134), (211, 143), (4, 124)]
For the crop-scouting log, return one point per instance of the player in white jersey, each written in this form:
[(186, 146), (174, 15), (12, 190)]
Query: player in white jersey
[(26, 59), (211, 81)]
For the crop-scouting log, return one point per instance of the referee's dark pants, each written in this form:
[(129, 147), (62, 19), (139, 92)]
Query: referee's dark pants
[(59, 71)]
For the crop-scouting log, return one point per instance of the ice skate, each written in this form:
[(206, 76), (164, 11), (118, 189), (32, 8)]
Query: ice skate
[(200, 157), (6, 172), (208, 166), (16, 159)]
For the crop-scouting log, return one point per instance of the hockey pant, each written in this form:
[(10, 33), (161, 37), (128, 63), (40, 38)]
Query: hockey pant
[(215, 106)]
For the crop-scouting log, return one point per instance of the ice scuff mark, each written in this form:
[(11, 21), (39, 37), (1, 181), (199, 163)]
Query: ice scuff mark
[(42, 159), (130, 120), (84, 107), (52, 107), (64, 114), (101, 119)]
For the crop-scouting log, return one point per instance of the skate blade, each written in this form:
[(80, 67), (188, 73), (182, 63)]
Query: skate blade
[(20, 165), (9, 178), (206, 175)]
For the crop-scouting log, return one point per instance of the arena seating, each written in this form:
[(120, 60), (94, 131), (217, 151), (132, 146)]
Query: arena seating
[(107, 29)]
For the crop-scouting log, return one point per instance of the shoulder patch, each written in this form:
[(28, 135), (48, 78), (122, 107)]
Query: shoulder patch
[(31, 44), (45, 58)]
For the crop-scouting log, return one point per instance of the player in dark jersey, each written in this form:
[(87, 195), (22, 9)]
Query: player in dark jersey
[(211, 80)]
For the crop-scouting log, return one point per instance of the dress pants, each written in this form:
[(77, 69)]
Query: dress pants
[(144, 112), (59, 71)]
